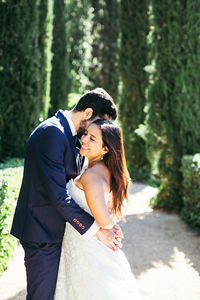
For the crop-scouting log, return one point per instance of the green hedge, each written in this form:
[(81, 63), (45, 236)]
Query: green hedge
[(10, 181), (191, 190), (173, 106)]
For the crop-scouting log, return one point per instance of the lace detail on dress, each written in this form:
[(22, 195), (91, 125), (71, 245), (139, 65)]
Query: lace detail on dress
[(89, 269)]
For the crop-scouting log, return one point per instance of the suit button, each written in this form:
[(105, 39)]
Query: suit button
[(83, 227), (74, 220), (78, 222), (80, 225)]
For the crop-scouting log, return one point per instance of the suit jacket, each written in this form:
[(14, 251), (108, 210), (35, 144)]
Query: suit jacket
[(44, 205)]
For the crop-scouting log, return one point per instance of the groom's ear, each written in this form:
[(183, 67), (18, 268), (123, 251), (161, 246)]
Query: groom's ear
[(88, 112)]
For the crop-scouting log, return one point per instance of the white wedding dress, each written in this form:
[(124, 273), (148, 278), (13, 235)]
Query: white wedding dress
[(88, 269)]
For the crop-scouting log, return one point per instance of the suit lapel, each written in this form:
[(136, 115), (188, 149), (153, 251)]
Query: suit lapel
[(60, 115)]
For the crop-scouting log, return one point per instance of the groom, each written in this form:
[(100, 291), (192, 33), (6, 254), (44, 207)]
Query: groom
[(44, 205)]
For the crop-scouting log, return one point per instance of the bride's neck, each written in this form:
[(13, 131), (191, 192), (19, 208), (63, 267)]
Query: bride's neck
[(93, 162)]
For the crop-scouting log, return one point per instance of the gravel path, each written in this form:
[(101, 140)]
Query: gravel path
[(164, 254)]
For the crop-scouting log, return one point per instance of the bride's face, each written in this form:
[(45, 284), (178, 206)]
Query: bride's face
[(92, 143)]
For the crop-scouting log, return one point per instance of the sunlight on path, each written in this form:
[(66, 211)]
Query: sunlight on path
[(139, 197), (164, 254), (177, 281)]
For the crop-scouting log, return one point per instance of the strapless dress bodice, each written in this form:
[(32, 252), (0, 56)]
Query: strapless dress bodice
[(79, 196)]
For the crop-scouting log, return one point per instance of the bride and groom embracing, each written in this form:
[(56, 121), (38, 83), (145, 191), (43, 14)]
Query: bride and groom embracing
[(63, 216)]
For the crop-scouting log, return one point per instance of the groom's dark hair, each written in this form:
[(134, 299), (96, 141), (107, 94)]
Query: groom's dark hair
[(100, 101)]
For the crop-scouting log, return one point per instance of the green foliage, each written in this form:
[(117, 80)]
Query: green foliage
[(173, 110), (10, 180), (59, 76), (69, 50), (45, 41), (78, 36), (19, 74), (133, 58), (105, 32), (190, 169), (73, 99)]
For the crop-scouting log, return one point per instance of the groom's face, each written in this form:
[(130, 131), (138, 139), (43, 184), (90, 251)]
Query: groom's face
[(82, 128)]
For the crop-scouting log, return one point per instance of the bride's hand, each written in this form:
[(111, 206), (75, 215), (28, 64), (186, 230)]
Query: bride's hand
[(118, 231), (119, 234), (110, 237)]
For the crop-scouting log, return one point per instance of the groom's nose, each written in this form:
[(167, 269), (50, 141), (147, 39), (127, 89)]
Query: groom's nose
[(84, 139)]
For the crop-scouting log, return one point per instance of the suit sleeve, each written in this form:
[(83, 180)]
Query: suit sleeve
[(49, 154)]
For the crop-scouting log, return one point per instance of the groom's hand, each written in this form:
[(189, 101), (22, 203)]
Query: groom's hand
[(111, 237)]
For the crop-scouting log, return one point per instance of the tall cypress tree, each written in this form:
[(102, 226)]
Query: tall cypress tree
[(77, 17), (59, 76), (19, 73), (134, 26), (174, 106), (105, 32), (45, 41)]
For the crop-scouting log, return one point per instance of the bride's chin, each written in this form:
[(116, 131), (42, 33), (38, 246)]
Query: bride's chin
[(82, 153)]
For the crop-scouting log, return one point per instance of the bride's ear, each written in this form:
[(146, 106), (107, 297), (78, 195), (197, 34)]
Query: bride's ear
[(105, 150)]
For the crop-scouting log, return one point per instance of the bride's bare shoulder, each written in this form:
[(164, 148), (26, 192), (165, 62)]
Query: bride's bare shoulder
[(97, 174), (94, 171)]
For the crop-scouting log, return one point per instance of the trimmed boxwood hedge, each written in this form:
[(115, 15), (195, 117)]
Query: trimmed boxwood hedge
[(10, 181), (191, 190)]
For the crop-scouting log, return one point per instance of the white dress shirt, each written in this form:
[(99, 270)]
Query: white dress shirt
[(94, 227)]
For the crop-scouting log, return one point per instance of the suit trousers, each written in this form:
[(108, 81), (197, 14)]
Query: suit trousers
[(41, 262)]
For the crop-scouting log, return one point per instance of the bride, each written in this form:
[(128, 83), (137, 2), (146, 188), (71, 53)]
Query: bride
[(88, 269)]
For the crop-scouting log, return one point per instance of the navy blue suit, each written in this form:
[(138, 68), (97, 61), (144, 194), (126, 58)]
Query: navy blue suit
[(44, 205)]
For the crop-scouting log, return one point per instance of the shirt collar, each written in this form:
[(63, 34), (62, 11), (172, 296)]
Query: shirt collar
[(71, 124)]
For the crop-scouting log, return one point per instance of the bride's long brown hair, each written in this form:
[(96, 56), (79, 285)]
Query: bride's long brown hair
[(115, 161)]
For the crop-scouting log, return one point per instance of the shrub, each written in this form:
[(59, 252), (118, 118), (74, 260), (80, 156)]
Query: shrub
[(10, 179), (191, 190)]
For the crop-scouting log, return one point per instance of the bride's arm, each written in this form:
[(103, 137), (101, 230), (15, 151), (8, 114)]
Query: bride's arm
[(93, 188), (110, 205)]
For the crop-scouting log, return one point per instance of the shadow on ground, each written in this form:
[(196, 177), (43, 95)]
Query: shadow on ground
[(19, 296), (154, 237)]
